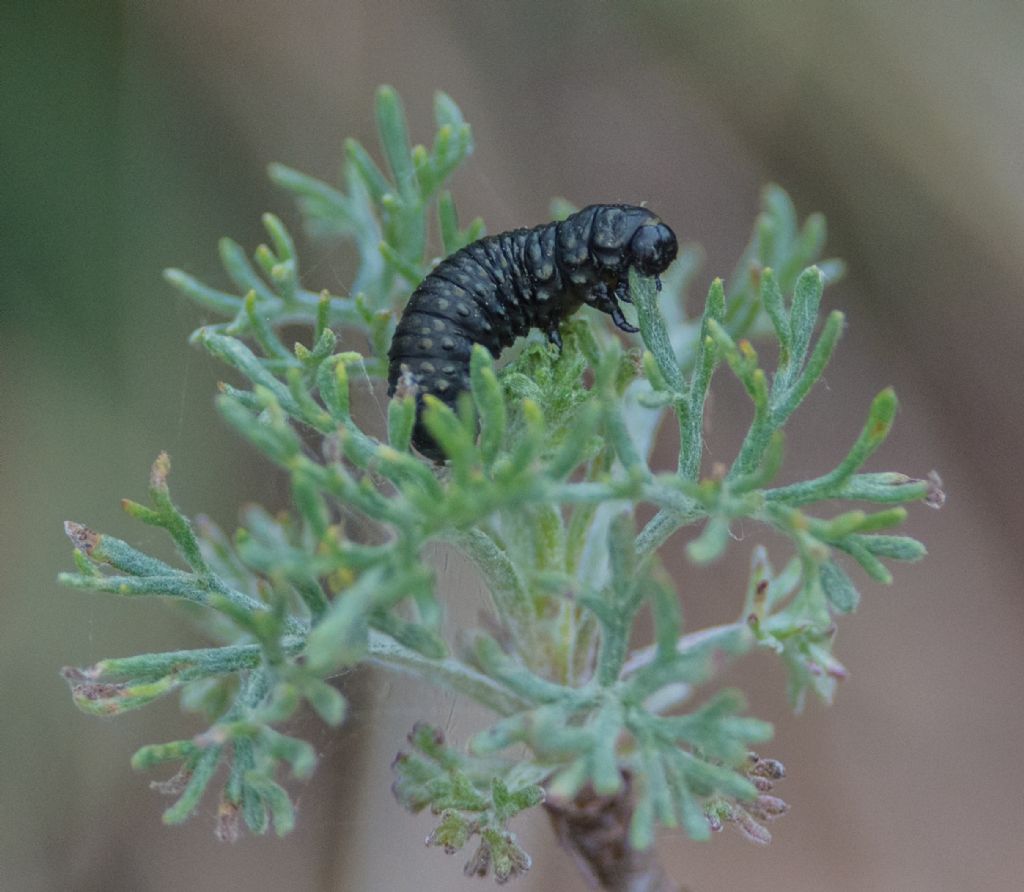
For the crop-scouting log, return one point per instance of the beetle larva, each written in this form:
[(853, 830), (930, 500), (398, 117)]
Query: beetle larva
[(498, 288)]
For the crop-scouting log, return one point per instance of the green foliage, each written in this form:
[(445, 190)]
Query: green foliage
[(548, 460), (473, 796)]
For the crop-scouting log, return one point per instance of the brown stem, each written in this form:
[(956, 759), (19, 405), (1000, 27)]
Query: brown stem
[(594, 830)]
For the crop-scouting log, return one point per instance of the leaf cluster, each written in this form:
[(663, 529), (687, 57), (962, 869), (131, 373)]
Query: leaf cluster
[(472, 796), (548, 461)]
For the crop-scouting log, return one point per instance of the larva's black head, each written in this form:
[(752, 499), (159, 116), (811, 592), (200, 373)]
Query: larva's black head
[(652, 248), (625, 235)]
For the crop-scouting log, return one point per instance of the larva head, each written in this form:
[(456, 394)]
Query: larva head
[(625, 235), (652, 248)]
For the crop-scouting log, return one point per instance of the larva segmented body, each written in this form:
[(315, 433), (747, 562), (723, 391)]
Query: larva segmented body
[(498, 288)]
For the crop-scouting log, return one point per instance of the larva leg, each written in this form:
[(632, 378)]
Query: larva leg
[(555, 337), (623, 293), (620, 321), (599, 299)]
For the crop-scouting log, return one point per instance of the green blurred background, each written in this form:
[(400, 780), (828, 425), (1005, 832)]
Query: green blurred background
[(135, 134)]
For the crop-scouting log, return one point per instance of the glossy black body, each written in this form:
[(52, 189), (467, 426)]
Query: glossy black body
[(498, 288)]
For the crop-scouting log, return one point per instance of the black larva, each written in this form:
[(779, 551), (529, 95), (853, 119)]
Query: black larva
[(499, 287)]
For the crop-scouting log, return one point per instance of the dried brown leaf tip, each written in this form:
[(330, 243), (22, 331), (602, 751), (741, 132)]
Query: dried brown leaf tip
[(406, 384), (158, 473), (746, 816), (84, 539), (936, 497), (771, 769), (498, 853), (227, 828)]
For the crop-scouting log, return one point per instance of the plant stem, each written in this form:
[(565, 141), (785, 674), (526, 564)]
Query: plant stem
[(594, 830), (388, 653)]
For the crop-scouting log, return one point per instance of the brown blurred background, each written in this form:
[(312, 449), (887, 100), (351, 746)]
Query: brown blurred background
[(135, 134)]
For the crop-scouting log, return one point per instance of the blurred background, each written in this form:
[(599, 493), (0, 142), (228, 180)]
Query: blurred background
[(135, 134)]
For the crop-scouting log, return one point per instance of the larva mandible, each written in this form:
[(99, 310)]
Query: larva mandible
[(498, 288)]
